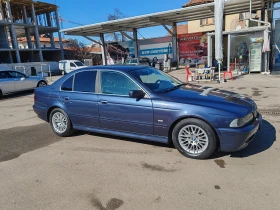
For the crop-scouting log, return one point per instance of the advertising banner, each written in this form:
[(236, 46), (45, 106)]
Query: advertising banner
[(192, 48), (156, 50)]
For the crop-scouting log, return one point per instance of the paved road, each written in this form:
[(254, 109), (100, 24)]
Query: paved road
[(39, 170)]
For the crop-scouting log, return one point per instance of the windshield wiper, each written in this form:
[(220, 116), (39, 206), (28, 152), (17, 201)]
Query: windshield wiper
[(172, 88)]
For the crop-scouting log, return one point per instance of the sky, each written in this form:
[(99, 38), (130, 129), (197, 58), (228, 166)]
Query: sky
[(94, 11)]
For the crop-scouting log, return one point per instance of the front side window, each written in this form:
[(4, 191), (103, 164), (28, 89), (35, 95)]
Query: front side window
[(85, 81), (155, 80), (67, 84), (78, 63), (15, 74), (72, 65), (116, 84)]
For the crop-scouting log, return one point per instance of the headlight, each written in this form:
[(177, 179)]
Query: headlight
[(242, 121)]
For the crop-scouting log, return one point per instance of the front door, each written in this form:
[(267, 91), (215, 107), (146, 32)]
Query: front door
[(119, 112), (20, 81), (78, 95)]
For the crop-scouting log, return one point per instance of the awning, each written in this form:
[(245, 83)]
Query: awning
[(167, 18)]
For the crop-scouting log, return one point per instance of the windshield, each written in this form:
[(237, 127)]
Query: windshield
[(78, 63), (155, 80)]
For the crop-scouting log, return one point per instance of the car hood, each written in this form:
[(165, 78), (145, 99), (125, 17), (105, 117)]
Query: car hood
[(211, 97)]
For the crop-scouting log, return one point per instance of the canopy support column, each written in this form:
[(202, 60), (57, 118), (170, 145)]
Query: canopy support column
[(209, 50), (175, 44), (136, 48), (103, 49)]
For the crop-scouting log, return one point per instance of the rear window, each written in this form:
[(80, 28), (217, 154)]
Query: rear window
[(67, 84), (85, 81)]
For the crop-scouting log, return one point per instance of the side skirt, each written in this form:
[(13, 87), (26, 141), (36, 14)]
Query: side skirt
[(159, 139)]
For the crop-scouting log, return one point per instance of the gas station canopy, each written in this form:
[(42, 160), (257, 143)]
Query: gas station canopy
[(164, 18)]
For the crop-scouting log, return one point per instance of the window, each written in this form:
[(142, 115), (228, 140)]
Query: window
[(3, 75), (85, 81), (15, 74), (67, 84), (72, 65), (116, 84), (207, 21), (79, 63), (155, 80)]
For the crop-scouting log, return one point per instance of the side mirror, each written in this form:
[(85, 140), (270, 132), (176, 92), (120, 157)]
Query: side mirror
[(22, 78), (136, 94)]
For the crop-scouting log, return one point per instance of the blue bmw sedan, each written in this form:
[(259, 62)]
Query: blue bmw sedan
[(144, 103)]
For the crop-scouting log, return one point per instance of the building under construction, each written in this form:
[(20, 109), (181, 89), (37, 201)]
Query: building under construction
[(28, 19)]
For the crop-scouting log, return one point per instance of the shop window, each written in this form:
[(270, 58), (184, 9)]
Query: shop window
[(207, 21), (242, 16)]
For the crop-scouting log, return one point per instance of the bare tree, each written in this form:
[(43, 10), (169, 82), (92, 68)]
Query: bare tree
[(116, 36), (79, 51)]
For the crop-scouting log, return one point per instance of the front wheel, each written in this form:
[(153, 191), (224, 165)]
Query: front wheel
[(194, 138), (60, 123)]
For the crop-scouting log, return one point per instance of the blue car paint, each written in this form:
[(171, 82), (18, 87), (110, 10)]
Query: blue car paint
[(151, 118)]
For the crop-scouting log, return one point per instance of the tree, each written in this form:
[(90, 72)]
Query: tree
[(116, 36), (77, 50)]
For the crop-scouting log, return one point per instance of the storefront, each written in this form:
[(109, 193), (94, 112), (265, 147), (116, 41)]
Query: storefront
[(244, 48)]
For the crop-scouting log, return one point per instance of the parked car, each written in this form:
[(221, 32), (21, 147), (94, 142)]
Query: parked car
[(138, 61), (14, 81), (66, 66), (144, 103)]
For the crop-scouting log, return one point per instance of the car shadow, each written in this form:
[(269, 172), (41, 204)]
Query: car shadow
[(17, 95), (263, 140)]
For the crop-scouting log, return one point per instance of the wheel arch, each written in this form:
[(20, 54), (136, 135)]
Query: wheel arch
[(41, 81), (50, 110), (191, 117)]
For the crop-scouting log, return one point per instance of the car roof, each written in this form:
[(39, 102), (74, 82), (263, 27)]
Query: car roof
[(124, 68)]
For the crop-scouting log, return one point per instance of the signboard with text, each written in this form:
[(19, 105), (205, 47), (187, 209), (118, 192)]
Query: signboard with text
[(192, 48)]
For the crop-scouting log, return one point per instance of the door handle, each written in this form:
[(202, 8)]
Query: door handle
[(103, 102)]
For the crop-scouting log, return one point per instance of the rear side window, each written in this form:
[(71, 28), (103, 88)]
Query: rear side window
[(67, 84), (85, 81), (3, 75)]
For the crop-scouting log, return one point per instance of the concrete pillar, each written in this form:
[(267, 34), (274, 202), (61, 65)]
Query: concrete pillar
[(27, 32), (51, 34), (263, 11), (135, 42), (59, 35), (37, 36), (228, 52), (175, 43), (1, 12), (103, 49), (13, 31)]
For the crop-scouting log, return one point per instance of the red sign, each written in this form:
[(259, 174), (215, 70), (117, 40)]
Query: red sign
[(192, 48)]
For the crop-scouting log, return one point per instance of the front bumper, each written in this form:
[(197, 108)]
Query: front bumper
[(234, 139)]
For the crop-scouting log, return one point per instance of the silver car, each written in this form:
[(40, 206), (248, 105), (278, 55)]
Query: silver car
[(13, 81)]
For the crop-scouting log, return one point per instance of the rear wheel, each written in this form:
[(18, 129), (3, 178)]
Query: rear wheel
[(41, 84), (194, 138), (60, 123)]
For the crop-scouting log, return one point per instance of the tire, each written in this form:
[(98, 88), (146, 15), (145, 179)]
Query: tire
[(42, 84), (1, 94), (59, 116), (194, 138)]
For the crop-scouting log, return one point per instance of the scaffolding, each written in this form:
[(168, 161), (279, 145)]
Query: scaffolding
[(24, 19)]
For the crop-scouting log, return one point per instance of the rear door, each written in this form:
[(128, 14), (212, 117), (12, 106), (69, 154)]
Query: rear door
[(6, 83), (120, 112), (79, 97)]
